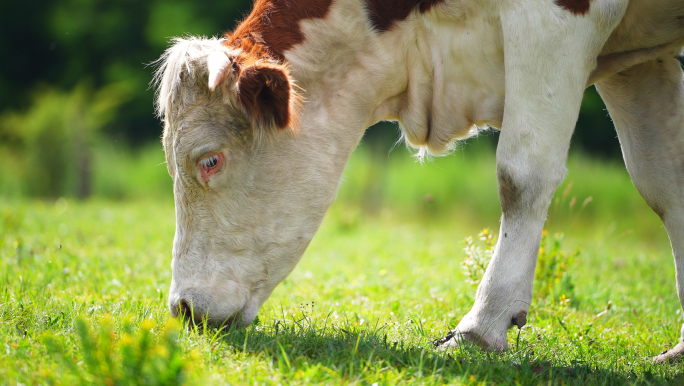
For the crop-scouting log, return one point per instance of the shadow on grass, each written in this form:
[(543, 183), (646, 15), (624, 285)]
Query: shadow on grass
[(370, 355)]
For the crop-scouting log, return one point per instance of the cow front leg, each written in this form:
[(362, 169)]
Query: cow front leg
[(549, 53), (528, 176), (646, 103)]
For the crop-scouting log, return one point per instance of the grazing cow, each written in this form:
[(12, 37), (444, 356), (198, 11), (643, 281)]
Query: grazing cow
[(260, 123)]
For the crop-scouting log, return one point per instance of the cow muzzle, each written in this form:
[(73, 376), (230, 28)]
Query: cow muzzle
[(195, 308)]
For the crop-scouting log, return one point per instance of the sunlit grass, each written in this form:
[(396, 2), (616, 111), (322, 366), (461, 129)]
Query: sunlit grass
[(83, 290)]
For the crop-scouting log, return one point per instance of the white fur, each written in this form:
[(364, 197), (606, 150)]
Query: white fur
[(518, 65)]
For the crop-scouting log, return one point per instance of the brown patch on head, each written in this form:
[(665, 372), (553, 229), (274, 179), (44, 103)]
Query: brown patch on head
[(520, 319), (384, 13), (273, 26), (265, 93), (578, 7), (509, 193)]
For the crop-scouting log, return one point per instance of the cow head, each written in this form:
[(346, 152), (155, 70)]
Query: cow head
[(249, 196)]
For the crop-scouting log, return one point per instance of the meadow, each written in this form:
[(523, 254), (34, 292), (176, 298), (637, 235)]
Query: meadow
[(83, 284)]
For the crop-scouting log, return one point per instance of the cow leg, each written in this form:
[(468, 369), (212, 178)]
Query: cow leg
[(549, 53), (646, 103)]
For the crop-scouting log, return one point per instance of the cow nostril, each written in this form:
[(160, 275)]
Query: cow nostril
[(184, 309)]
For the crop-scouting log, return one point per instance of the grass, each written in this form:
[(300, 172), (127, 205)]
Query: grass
[(83, 289)]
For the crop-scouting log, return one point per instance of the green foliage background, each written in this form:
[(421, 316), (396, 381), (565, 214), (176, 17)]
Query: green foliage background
[(62, 43), (59, 45), (75, 84)]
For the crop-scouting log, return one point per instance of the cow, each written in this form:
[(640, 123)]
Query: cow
[(259, 123)]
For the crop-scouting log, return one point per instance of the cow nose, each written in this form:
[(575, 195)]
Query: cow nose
[(194, 307), (186, 310)]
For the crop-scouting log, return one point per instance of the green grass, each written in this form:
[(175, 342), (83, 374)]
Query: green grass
[(83, 288)]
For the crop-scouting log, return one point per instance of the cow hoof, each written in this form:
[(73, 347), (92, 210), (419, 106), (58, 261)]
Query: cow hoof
[(456, 339), (446, 342), (672, 355)]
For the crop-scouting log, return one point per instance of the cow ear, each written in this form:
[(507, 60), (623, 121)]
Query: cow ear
[(264, 91)]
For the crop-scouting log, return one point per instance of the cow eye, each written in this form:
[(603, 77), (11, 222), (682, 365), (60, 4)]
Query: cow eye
[(209, 165), (210, 162)]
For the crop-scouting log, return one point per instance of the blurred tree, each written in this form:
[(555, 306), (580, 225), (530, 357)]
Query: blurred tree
[(64, 42), (53, 140)]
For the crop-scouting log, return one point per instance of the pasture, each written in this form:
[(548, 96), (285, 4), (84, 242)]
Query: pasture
[(84, 286)]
